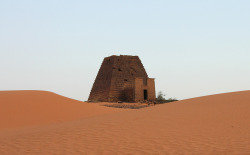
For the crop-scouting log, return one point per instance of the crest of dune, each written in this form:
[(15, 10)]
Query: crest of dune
[(30, 107), (215, 124)]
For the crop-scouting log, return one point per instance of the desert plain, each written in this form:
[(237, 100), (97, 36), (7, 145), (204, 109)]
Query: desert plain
[(42, 122)]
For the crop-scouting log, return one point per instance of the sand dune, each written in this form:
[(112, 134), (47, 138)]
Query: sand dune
[(26, 108), (216, 124)]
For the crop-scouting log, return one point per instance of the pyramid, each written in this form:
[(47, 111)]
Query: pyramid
[(122, 78)]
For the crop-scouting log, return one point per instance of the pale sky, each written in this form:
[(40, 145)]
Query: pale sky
[(193, 48)]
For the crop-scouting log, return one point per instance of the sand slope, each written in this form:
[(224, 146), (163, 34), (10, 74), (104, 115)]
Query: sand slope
[(26, 108), (217, 124)]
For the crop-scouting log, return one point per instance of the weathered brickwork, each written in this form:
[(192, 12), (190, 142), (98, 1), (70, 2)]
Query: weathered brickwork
[(122, 78)]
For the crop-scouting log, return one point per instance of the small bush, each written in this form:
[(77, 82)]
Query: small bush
[(161, 99)]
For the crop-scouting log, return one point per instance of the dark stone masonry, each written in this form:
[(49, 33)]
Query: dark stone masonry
[(122, 78)]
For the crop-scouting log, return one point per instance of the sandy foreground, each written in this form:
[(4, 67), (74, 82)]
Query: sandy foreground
[(29, 108), (39, 122)]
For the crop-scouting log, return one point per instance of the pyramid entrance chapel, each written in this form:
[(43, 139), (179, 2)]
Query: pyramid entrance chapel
[(122, 78)]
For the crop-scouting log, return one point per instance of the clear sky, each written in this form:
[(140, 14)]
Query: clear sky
[(192, 48)]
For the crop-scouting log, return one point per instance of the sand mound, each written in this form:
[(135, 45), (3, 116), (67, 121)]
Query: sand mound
[(217, 124), (24, 108)]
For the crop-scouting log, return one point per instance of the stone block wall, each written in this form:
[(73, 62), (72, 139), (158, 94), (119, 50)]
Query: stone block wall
[(115, 80)]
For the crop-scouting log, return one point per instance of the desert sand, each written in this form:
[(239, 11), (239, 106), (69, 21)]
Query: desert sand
[(215, 124), (28, 108)]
